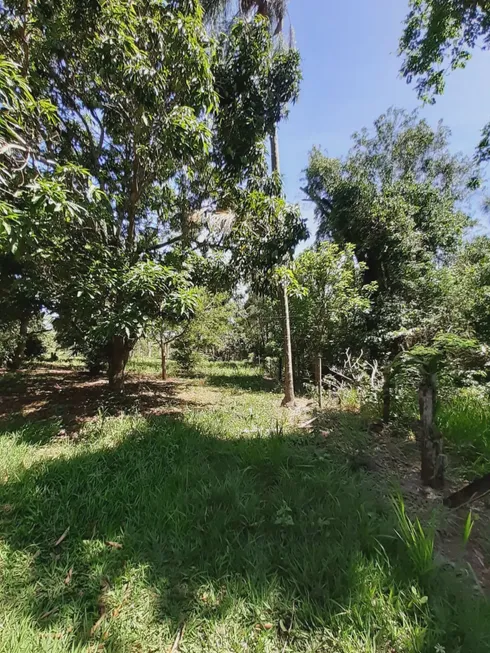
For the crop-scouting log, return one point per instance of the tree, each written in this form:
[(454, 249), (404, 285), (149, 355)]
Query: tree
[(396, 198), (34, 189), (439, 36), (333, 302), (137, 91), (472, 270), (274, 11), (207, 333)]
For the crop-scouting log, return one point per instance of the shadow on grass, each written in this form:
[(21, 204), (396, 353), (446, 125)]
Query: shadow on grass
[(191, 528), (64, 399), (254, 382), (239, 376)]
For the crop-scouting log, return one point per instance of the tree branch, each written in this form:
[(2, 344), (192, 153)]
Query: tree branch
[(170, 241)]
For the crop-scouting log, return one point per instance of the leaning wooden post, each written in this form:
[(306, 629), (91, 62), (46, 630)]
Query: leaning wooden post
[(431, 440), (320, 384)]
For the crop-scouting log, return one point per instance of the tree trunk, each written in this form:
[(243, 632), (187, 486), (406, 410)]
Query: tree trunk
[(119, 350), (164, 352), (387, 394), (432, 470), (289, 399), (20, 348), (274, 142)]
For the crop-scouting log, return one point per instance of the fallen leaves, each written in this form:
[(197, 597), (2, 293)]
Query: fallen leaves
[(177, 640), (67, 580), (114, 545), (48, 613), (305, 425), (62, 537)]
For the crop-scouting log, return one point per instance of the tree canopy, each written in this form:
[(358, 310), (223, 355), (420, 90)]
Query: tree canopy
[(397, 198), (439, 36), (157, 139)]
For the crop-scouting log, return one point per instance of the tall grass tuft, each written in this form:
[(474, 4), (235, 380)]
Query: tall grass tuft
[(419, 544)]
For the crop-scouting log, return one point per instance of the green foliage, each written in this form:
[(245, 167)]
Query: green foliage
[(120, 301), (468, 527), (419, 544), (255, 83), (333, 303), (396, 198), (22, 122), (439, 37), (258, 327), (266, 231), (446, 351), (473, 273), (208, 330), (152, 125), (436, 32), (464, 418)]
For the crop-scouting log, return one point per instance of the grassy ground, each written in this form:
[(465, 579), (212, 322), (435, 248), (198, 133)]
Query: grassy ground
[(222, 526), (465, 422)]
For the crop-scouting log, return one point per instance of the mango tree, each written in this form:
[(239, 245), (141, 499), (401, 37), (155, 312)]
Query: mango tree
[(146, 106)]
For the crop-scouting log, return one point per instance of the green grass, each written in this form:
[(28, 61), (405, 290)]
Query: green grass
[(143, 365), (248, 534), (465, 422)]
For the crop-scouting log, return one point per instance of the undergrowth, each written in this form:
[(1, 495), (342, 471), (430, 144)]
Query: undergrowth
[(464, 420)]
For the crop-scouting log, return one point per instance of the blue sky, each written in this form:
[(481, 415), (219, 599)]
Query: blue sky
[(351, 75)]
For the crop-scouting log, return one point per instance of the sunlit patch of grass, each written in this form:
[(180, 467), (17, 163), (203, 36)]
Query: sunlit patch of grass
[(142, 365), (225, 524), (464, 419)]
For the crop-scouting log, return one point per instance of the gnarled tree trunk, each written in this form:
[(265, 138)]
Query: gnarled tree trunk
[(119, 350), (431, 443), (20, 349)]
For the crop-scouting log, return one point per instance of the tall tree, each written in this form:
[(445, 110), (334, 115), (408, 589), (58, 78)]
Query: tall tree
[(333, 302), (396, 198), (274, 11), (144, 107)]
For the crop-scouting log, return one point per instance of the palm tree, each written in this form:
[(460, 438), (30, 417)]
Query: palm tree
[(274, 11)]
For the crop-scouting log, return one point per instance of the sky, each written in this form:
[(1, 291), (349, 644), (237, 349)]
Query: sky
[(351, 75)]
